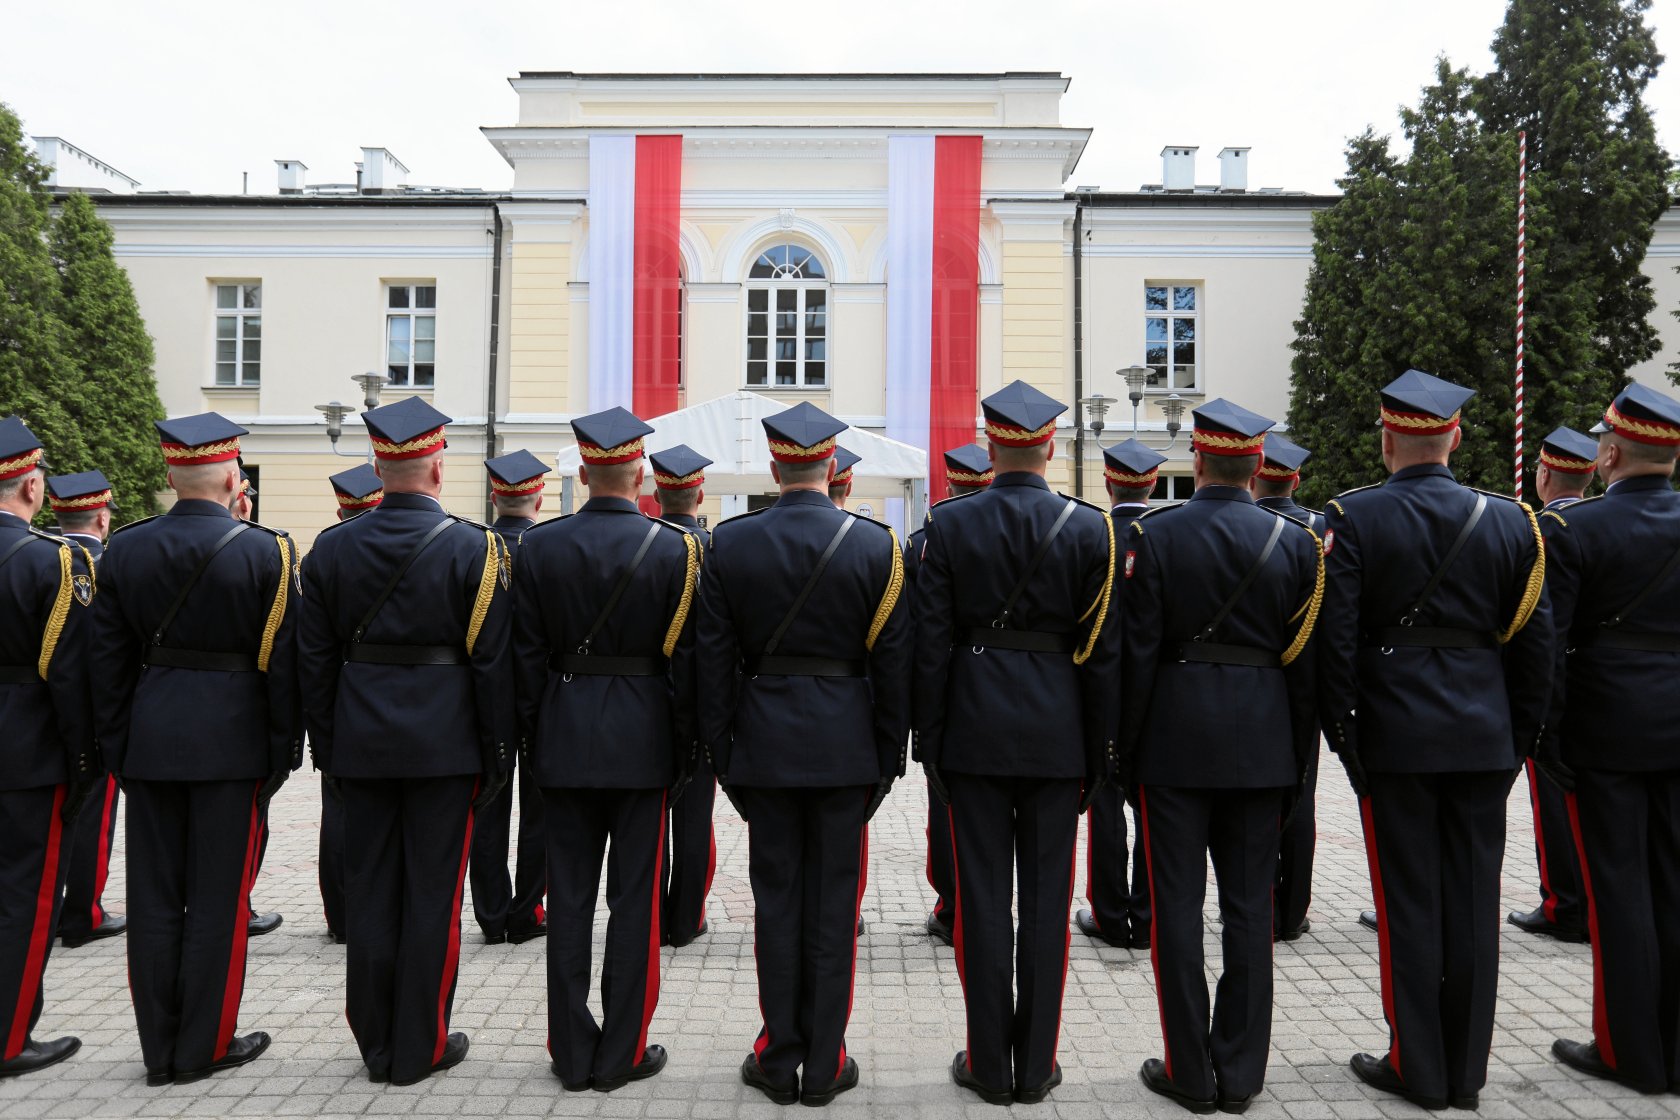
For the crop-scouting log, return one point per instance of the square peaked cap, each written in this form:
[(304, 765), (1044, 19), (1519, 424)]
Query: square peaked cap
[(74, 493), (1420, 404), (1645, 416), (802, 434), (358, 488), (844, 461), (407, 429), (517, 472), (1569, 451), (1283, 457), (610, 437), (1019, 415), (1223, 428), (968, 465), (191, 441), (678, 468), (1131, 463), (20, 451)]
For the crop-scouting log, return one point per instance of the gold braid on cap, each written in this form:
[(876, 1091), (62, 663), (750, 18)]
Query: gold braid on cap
[(889, 597), (28, 460), (1122, 478), (1645, 431), (622, 453), (90, 501), (1568, 464), (200, 454), (1421, 424), (1101, 605), (276, 609), (691, 575), (1269, 471), (968, 478), (1228, 442), (1311, 609), (60, 611), (486, 587), (799, 453), (1536, 581), (385, 449), (1015, 434)]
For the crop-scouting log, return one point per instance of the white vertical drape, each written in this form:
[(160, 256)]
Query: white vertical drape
[(612, 246)]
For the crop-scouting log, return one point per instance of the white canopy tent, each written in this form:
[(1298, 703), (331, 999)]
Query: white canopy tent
[(729, 431)]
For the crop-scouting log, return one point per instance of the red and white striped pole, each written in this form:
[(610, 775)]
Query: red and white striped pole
[(1522, 218)]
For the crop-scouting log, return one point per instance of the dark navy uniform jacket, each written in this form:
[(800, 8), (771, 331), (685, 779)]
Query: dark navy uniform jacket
[(1421, 709), (593, 731), (690, 524), (171, 724), (48, 737), (93, 546), (1017, 712), (407, 721), (510, 529), (1613, 709), (1178, 725), (1289, 507), (803, 731)]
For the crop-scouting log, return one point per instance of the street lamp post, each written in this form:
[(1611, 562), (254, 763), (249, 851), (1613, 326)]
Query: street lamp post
[(1172, 405), (335, 412), (1096, 406)]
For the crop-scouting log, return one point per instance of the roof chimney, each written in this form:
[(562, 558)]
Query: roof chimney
[(1178, 167), (382, 172), (291, 175), (1233, 169)]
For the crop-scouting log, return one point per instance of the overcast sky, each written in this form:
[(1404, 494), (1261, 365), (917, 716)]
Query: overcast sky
[(186, 95)]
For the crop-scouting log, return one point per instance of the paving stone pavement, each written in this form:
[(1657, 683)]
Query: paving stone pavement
[(906, 1024)]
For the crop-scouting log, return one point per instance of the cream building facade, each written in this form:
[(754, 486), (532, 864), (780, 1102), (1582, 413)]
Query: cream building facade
[(264, 306)]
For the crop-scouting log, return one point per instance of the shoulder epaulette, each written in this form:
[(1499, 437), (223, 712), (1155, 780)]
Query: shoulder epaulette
[(1494, 494), (1154, 511), (1337, 500), (1559, 518), (671, 525), (325, 529), (46, 536), (870, 521), (541, 525), (1083, 502), (132, 524), (467, 521), (740, 517), (269, 529), (1555, 516), (952, 498)]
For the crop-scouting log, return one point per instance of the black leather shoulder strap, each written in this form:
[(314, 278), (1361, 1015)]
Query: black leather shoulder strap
[(810, 585), (1002, 619), (1247, 581), (396, 576), (192, 581), (618, 590), (1458, 544), (17, 546)]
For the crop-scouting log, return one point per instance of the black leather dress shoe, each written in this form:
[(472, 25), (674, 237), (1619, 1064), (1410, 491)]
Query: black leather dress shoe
[(241, 1051), (653, 1060), (454, 1049), (1368, 919), (1536, 922), (158, 1078), (862, 925), (113, 925), (753, 1075), (1235, 1106), (1086, 922), (1037, 1093), (965, 1079), (1139, 940), (1378, 1074), (679, 942), (1294, 934), (379, 1077), (1464, 1102), (335, 936), (939, 931), (1153, 1074), (40, 1055), (821, 1095), (571, 1086), (520, 936), (263, 923), (1585, 1058)]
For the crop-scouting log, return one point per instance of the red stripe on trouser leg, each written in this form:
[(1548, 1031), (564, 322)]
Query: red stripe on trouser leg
[(1154, 929), (1067, 934), (1548, 898), (957, 922), (452, 955), (40, 933), (234, 989), (102, 862), (857, 916), (1601, 1014), (1385, 959), (650, 991), (711, 867)]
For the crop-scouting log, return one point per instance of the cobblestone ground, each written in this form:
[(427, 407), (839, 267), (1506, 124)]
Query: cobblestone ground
[(907, 1022)]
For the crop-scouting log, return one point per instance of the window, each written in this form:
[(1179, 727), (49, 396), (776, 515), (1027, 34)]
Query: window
[(1173, 488), (787, 320), (1172, 328), (410, 335), (238, 335)]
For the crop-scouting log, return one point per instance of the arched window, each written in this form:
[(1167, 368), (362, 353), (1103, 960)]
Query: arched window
[(787, 320)]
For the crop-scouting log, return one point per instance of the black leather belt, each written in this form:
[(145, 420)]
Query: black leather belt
[(1432, 637), (214, 661), (779, 666), (369, 654), (595, 665), (1216, 653), (1645, 643), (19, 674), (1028, 641)]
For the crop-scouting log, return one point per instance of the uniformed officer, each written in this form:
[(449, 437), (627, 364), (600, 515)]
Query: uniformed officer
[(49, 766), (1274, 489), (402, 649), (357, 490), (244, 505), (1433, 678), (603, 658), (841, 487), (1119, 914), (1221, 600), (1614, 576), (1016, 696), (803, 649), (82, 505), (679, 478), (193, 644), (512, 911), (968, 470), (1565, 470)]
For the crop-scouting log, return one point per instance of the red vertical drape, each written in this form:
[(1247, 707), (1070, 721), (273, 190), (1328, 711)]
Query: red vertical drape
[(657, 330), (954, 383)]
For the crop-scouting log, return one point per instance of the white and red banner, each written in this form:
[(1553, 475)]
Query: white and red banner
[(635, 273), (933, 295)]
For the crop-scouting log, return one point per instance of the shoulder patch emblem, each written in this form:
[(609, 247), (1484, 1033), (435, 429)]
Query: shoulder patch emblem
[(1131, 562), (83, 587), (1329, 540)]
